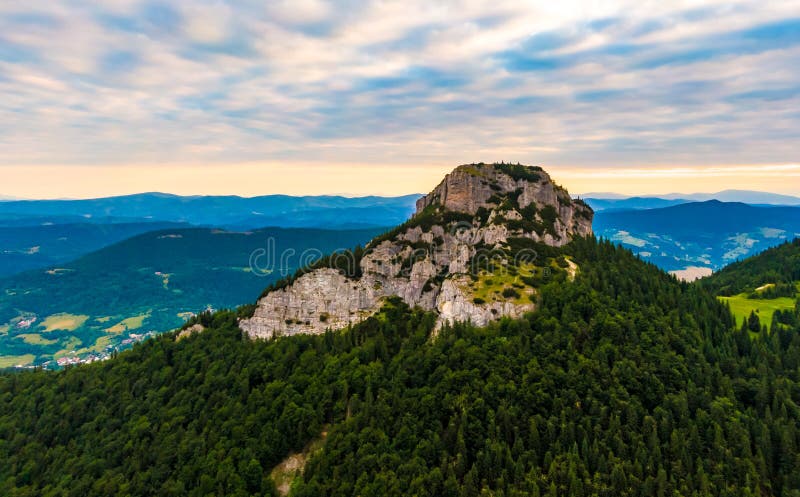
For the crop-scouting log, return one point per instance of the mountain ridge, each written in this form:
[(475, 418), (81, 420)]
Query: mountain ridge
[(730, 195), (223, 211), (478, 211)]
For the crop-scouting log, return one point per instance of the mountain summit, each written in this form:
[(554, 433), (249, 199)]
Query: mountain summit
[(475, 250)]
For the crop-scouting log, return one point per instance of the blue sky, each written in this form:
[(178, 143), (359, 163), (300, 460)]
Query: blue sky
[(191, 91)]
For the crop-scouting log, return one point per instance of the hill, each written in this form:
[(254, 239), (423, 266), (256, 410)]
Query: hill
[(148, 283), (778, 265), (763, 289), (231, 211), (40, 233), (42, 243), (709, 234)]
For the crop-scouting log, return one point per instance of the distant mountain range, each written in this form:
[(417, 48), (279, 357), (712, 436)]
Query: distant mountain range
[(605, 204), (38, 246), (39, 233), (600, 201), (707, 235), (229, 211)]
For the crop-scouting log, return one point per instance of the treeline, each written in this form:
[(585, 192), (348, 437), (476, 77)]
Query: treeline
[(624, 382)]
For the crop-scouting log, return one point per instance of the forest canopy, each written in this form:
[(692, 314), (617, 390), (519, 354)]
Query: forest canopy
[(625, 382)]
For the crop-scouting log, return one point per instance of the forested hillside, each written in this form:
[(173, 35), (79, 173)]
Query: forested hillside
[(624, 382), (779, 266)]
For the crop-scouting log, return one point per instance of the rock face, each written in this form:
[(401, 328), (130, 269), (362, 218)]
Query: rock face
[(467, 254)]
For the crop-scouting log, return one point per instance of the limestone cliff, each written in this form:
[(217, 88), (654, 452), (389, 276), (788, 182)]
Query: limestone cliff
[(468, 254)]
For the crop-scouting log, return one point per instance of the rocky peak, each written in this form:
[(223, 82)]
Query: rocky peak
[(524, 198), (468, 253), (472, 186)]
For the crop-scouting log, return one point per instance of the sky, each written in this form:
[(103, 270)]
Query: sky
[(380, 97)]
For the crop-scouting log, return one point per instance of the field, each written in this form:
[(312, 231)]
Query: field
[(63, 321), (127, 324), (14, 360), (741, 307), (35, 339)]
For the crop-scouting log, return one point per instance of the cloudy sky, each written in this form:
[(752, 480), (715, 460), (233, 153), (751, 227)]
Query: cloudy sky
[(355, 97)]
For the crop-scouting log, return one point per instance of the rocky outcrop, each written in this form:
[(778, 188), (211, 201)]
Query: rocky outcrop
[(191, 330), (455, 303), (461, 230)]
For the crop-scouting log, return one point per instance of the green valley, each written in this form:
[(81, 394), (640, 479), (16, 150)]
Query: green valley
[(148, 284)]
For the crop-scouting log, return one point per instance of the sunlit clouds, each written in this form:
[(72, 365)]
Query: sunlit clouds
[(622, 92)]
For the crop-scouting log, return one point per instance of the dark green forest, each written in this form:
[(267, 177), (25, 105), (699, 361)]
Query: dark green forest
[(625, 382)]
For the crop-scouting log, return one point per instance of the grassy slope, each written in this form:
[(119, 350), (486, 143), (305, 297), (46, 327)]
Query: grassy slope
[(741, 307)]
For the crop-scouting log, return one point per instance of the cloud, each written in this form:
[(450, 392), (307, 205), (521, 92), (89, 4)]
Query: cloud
[(117, 82)]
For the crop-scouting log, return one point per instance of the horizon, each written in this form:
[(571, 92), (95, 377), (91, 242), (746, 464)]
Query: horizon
[(596, 195), (252, 180)]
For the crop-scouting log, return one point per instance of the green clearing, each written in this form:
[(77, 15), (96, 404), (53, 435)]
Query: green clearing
[(10, 361), (127, 324), (741, 307), (63, 321), (35, 339)]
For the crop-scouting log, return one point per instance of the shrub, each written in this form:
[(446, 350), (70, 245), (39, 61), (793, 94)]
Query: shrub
[(510, 293)]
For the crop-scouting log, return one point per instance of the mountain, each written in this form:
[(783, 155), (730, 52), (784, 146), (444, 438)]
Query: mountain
[(26, 246), (13, 220), (230, 211), (706, 235), (40, 233), (475, 250), (622, 381), (743, 196), (603, 204), (604, 201), (147, 284)]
